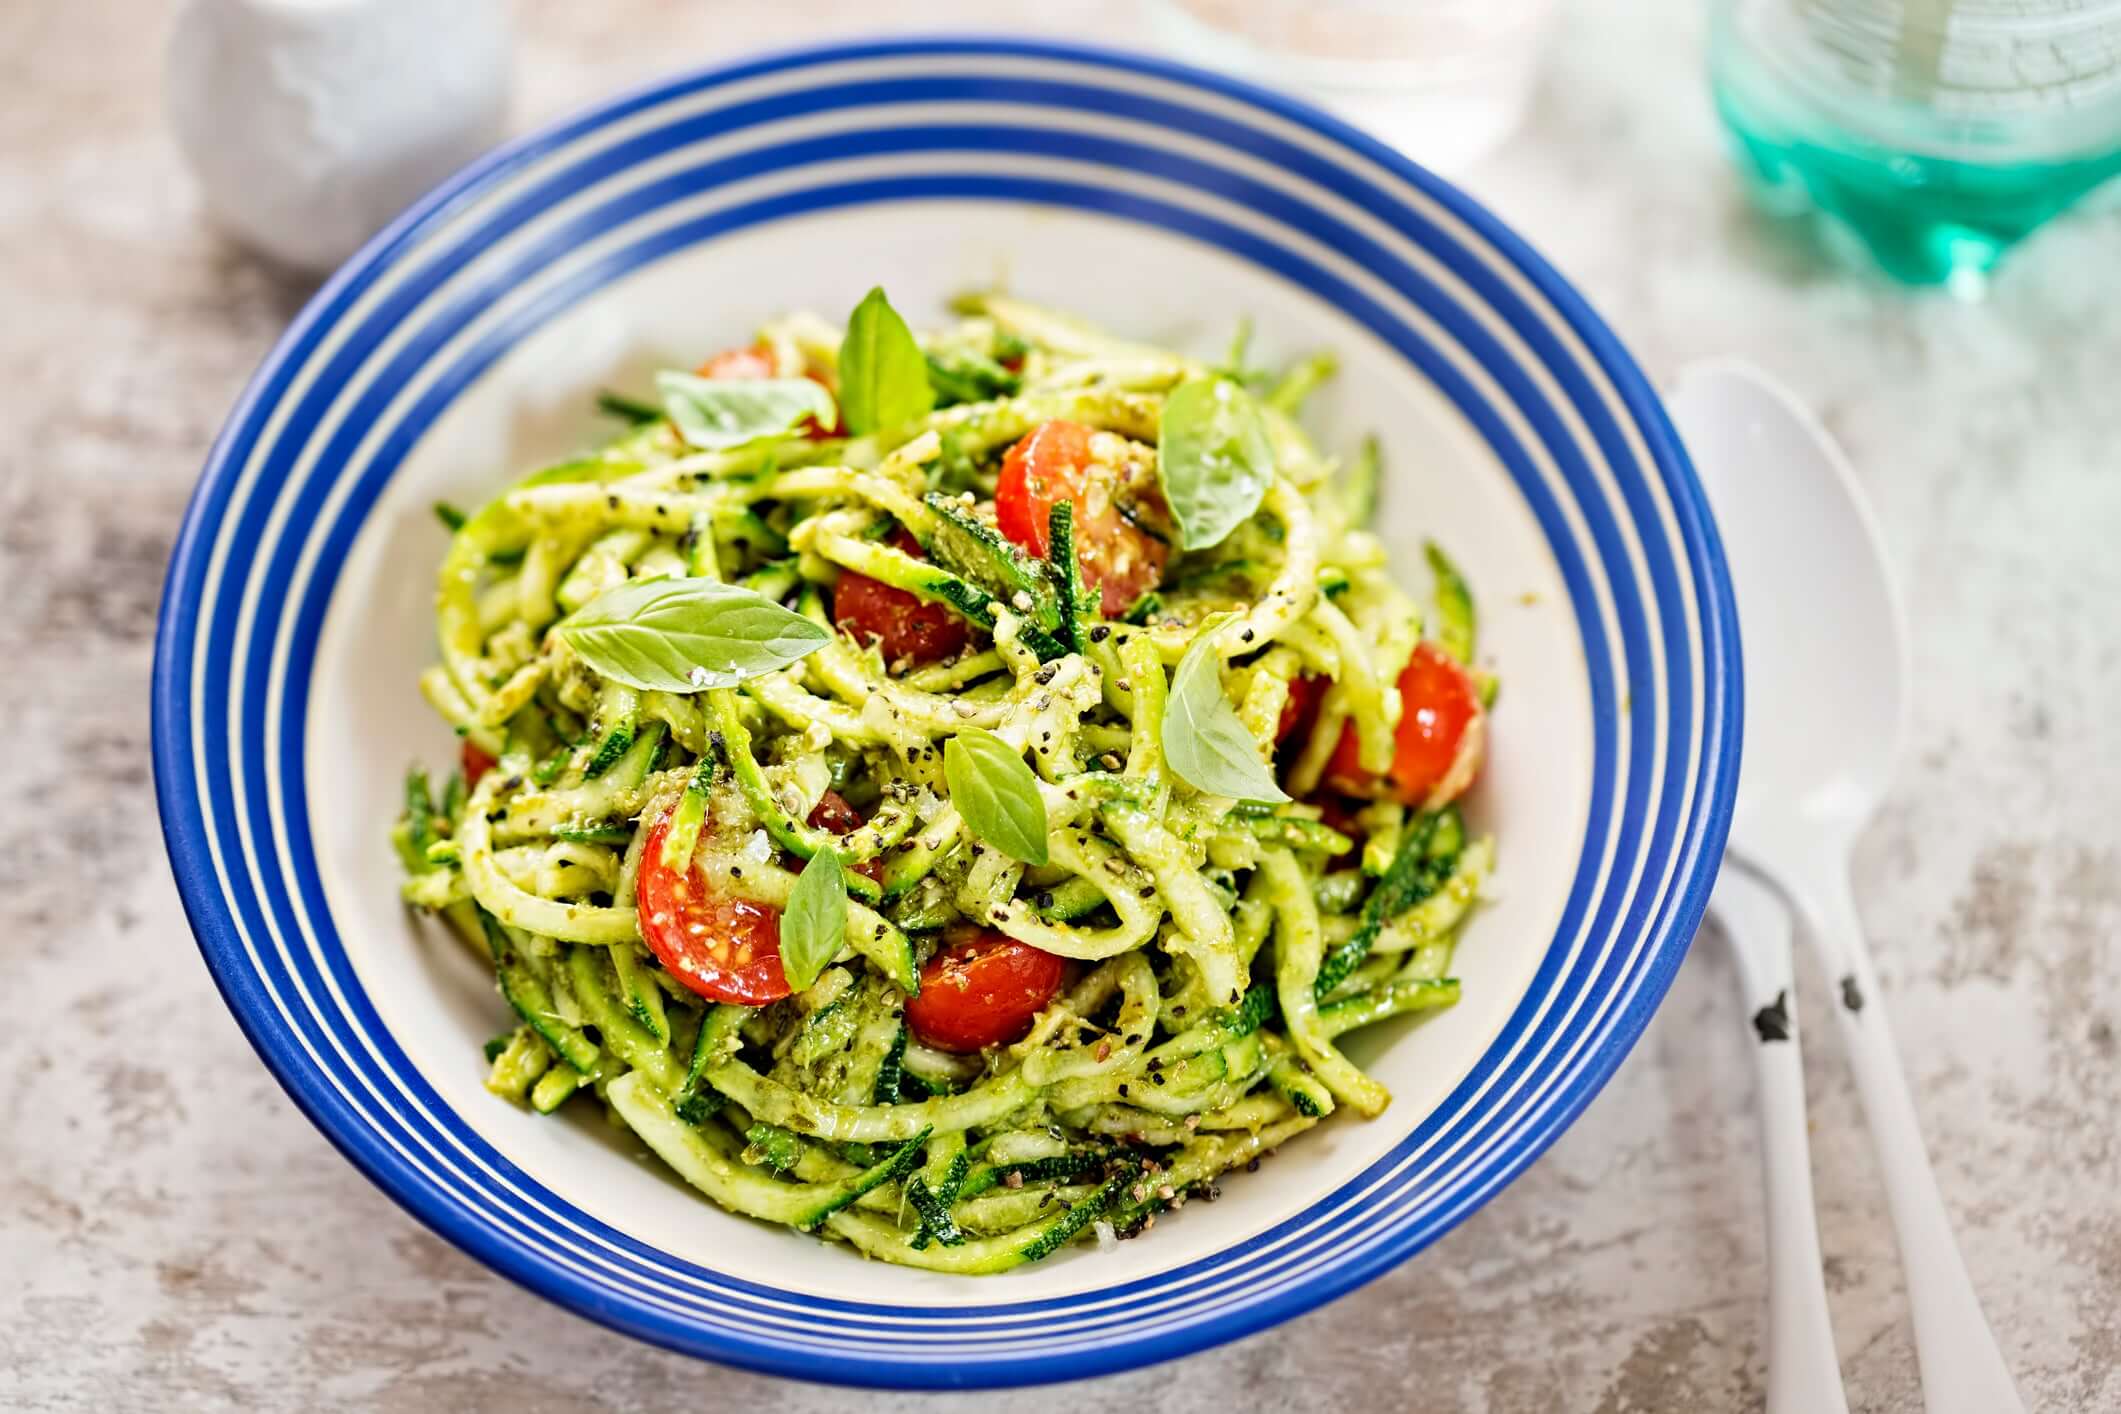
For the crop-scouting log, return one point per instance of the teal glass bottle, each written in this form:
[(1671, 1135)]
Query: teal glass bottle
[(1932, 134)]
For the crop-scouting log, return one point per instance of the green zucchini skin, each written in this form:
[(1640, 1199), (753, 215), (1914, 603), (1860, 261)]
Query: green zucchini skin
[(516, 1062), (631, 410), (727, 1179), (596, 810), (622, 718), (1298, 834), (638, 992), (1427, 856), (1143, 611), (966, 376), (528, 993), (933, 1205), (1075, 899), (770, 1147), (935, 582), (554, 1089), (1063, 1168), (984, 1256), (1080, 608), (1396, 998), (1299, 1087), (981, 556)]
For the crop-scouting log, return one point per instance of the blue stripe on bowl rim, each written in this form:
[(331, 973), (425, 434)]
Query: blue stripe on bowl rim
[(1651, 567)]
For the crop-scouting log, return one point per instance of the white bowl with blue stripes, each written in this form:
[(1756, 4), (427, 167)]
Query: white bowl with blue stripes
[(462, 346)]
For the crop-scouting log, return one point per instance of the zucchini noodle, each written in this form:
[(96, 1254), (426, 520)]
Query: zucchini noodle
[(1204, 960)]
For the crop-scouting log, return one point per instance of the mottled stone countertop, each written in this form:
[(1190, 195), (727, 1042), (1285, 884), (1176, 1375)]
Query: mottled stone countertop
[(174, 1235)]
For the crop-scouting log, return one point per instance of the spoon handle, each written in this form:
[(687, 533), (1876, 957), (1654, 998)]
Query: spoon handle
[(1804, 1374), (1962, 1366)]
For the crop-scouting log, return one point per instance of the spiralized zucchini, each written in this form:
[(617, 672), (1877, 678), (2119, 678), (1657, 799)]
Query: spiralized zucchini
[(1217, 953)]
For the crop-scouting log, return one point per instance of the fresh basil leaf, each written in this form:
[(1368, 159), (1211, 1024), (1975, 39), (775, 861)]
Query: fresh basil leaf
[(1205, 744), (883, 373), (717, 413), (996, 794), (814, 924), (1214, 457), (687, 635)]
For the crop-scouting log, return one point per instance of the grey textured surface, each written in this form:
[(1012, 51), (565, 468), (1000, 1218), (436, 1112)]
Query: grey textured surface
[(173, 1235)]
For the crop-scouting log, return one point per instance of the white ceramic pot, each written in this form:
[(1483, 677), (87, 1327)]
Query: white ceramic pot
[(310, 123)]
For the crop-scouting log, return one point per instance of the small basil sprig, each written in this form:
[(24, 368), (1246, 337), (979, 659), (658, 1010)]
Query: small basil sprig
[(996, 794), (1214, 457), (814, 924), (717, 413), (1205, 744), (883, 373), (686, 635)]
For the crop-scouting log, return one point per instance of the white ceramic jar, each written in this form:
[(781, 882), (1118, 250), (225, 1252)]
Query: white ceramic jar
[(311, 123)]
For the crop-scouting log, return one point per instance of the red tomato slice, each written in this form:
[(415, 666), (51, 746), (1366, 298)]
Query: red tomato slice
[(756, 361), (1301, 709), (983, 990), (750, 361), (476, 764), (902, 626), (1053, 463), (1442, 736), (725, 949), (832, 812), (1045, 465)]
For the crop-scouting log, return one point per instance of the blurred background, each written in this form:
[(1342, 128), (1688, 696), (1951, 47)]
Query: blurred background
[(1896, 208)]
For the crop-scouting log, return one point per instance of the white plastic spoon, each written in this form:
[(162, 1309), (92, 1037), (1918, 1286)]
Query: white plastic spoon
[(1804, 1374), (1826, 671)]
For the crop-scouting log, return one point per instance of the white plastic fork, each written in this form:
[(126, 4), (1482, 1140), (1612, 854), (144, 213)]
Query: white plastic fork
[(1804, 1373)]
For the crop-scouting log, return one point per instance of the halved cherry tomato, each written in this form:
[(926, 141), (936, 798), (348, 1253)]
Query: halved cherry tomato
[(832, 812), (749, 361), (756, 361), (1052, 463), (1442, 735), (982, 990), (725, 949), (903, 626), (1301, 708), (476, 764), (1045, 465)]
